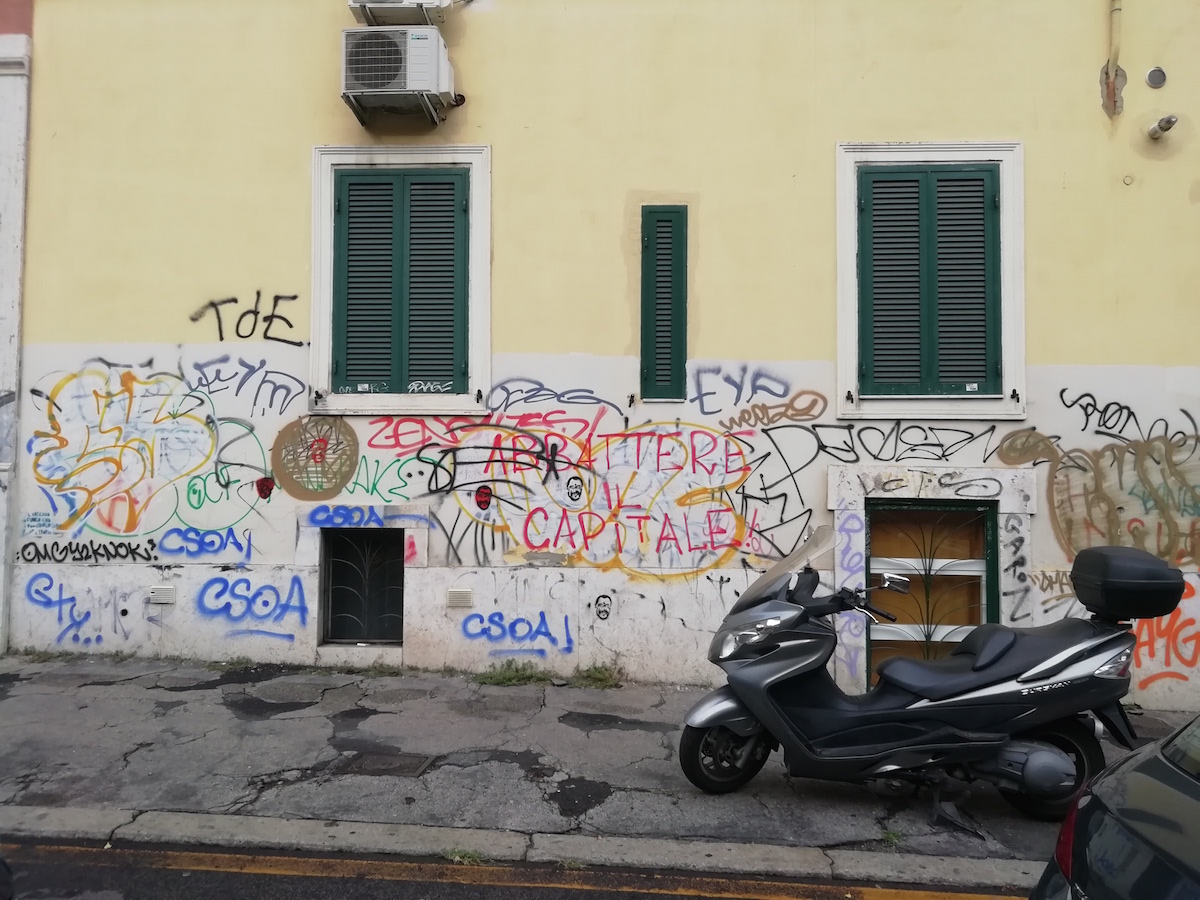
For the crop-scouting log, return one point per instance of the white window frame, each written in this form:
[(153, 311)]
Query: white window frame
[(477, 161), (1010, 403)]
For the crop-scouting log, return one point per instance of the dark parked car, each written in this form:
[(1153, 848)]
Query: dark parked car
[(1134, 833)]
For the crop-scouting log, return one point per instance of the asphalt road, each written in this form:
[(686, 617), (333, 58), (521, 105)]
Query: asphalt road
[(90, 873)]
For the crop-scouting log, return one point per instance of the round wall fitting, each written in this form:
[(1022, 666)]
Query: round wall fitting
[(1156, 77)]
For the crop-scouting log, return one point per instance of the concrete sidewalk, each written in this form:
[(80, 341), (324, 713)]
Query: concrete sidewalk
[(423, 765)]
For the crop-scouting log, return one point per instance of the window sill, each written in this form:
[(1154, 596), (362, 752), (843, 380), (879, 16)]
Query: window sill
[(395, 404), (939, 407)]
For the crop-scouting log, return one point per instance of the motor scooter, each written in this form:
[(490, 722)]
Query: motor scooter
[(1016, 707)]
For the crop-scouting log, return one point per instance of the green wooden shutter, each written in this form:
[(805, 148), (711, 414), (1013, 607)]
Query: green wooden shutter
[(664, 302), (967, 288), (435, 222), (364, 285), (892, 312), (929, 287), (400, 282)]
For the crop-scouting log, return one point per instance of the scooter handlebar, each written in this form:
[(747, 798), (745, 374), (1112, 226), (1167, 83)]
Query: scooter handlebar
[(876, 611)]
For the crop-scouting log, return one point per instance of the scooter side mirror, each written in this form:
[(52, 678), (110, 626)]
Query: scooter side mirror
[(897, 583)]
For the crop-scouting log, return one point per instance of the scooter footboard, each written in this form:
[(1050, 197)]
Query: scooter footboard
[(722, 707)]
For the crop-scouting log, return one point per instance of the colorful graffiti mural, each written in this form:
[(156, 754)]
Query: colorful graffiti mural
[(209, 457)]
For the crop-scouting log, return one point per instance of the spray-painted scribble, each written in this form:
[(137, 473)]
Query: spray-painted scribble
[(314, 457), (42, 590), (124, 450), (115, 441)]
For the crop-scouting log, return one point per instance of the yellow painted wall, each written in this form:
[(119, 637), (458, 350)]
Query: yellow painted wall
[(171, 152)]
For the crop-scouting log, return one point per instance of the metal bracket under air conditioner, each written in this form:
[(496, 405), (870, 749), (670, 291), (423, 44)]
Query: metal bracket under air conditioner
[(430, 104), (369, 16)]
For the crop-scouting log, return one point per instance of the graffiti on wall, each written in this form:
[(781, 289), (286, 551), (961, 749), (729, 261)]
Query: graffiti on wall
[(314, 457), (245, 321), (1168, 648), (257, 609), (515, 635), (124, 450), (180, 463), (83, 616), (1139, 488)]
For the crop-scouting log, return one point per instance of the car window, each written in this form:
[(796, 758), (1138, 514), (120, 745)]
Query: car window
[(1184, 749)]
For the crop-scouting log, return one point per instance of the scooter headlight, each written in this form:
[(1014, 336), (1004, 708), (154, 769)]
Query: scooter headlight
[(733, 641)]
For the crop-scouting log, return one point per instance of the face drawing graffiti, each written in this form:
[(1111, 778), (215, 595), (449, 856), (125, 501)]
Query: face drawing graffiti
[(574, 488), (603, 607)]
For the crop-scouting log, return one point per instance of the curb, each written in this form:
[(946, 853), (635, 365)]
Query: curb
[(116, 826)]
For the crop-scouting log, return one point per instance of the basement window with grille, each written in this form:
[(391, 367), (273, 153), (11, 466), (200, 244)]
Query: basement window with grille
[(362, 574), (930, 281), (401, 303)]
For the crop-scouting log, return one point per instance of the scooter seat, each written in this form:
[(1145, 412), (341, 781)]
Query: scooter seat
[(988, 655)]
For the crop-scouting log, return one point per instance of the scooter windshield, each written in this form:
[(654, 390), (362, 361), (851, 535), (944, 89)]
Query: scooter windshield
[(810, 553)]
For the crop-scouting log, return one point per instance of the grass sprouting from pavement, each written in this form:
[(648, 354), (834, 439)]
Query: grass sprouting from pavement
[(600, 677), (465, 857), (510, 673)]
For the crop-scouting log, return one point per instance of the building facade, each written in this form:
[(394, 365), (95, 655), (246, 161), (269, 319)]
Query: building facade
[(666, 286)]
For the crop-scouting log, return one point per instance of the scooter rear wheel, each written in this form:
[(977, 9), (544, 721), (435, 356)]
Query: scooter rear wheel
[(718, 761), (1078, 741)]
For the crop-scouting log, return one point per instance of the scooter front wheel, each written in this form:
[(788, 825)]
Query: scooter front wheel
[(719, 761)]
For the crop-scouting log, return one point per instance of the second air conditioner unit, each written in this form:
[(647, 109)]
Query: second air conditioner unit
[(397, 69)]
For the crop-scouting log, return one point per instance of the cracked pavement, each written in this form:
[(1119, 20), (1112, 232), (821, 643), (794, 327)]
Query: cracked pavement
[(439, 750)]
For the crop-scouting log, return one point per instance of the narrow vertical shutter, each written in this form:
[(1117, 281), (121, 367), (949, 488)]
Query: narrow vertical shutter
[(435, 284), (664, 301), (962, 280), (369, 263), (895, 248)]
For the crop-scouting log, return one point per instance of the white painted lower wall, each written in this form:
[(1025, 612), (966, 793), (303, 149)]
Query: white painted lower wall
[(588, 530)]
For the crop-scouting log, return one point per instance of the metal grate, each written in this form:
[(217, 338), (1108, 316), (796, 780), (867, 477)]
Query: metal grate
[(409, 765), (376, 61), (364, 584)]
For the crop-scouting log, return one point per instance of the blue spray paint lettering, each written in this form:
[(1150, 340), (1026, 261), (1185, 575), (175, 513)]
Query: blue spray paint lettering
[(40, 591), (238, 600), (497, 629), (345, 517), (193, 542)]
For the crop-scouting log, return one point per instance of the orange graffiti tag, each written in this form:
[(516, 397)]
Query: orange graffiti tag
[(1180, 644)]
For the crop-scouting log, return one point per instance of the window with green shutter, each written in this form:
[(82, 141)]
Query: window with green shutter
[(929, 280), (400, 281), (664, 302)]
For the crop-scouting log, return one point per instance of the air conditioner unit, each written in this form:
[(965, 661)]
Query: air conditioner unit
[(399, 12), (398, 70)]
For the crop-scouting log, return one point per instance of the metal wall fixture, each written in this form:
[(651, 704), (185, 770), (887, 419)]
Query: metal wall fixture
[(1161, 127)]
